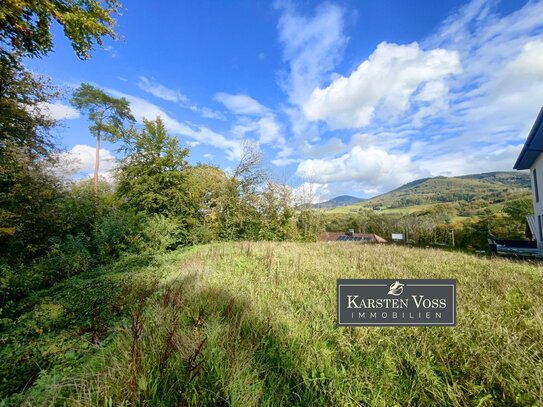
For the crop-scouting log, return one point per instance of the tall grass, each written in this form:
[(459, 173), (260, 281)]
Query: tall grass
[(254, 324)]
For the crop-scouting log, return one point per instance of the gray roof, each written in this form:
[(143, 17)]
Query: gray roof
[(533, 146)]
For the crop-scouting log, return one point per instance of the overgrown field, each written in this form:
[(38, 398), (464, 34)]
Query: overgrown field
[(254, 324)]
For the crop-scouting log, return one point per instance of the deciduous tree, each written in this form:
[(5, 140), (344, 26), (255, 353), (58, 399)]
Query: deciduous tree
[(25, 25), (151, 176)]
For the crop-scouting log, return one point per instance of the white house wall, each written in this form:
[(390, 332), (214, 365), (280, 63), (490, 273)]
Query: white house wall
[(538, 205)]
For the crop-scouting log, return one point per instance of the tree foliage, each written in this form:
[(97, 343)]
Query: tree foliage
[(151, 176), (25, 25), (27, 191), (108, 116), (24, 119), (29, 211)]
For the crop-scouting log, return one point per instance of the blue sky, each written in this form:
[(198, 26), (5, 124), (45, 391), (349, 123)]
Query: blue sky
[(349, 97)]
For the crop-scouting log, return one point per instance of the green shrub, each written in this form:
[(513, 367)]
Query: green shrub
[(13, 285), (200, 234), (64, 259), (115, 233), (162, 233)]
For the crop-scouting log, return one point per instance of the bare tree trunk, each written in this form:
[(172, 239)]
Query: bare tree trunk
[(97, 163)]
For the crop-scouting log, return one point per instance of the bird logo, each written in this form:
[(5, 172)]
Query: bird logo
[(395, 288)]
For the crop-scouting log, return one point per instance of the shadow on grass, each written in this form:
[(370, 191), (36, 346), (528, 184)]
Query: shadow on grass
[(58, 325), (245, 359)]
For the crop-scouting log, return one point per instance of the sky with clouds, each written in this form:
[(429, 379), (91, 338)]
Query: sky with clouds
[(353, 97)]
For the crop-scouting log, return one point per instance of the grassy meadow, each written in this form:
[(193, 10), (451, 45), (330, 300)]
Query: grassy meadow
[(254, 324)]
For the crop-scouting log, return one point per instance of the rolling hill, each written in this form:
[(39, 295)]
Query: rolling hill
[(489, 188), (341, 200)]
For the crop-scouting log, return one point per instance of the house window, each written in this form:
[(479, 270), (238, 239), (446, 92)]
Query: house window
[(536, 187), (540, 229)]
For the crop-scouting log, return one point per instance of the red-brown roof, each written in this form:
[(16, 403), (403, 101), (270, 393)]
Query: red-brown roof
[(354, 237)]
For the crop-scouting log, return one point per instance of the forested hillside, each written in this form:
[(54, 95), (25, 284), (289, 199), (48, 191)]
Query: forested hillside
[(476, 190), (342, 200)]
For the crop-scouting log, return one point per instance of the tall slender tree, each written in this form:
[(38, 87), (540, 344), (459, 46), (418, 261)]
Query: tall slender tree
[(108, 115)]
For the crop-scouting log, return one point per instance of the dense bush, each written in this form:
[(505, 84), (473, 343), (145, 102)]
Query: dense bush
[(162, 233), (116, 232), (65, 259)]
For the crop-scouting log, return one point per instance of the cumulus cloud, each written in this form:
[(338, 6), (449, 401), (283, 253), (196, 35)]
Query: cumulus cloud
[(59, 111), (459, 101), (268, 129), (313, 45), (371, 168), (79, 162), (253, 117), (311, 193), (383, 84)]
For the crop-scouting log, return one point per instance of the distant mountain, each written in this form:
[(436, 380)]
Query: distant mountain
[(514, 178), (341, 200), (491, 187)]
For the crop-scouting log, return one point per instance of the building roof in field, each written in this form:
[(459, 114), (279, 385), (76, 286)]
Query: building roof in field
[(533, 146), (354, 237)]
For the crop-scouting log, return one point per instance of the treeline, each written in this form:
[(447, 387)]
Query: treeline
[(56, 229), (437, 224), (51, 229)]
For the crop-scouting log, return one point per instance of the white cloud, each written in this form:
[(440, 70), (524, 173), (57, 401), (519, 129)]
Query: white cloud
[(208, 156), (208, 113), (310, 193), (253, 117), (79, 161), (510, 99), (312, 47), (59, 111), (268, 130), (141, 108), (472, 162), (383, 84), (161, 91), (501, 88), (462, 102), (371, 168), (240, 104), (283, 157)]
